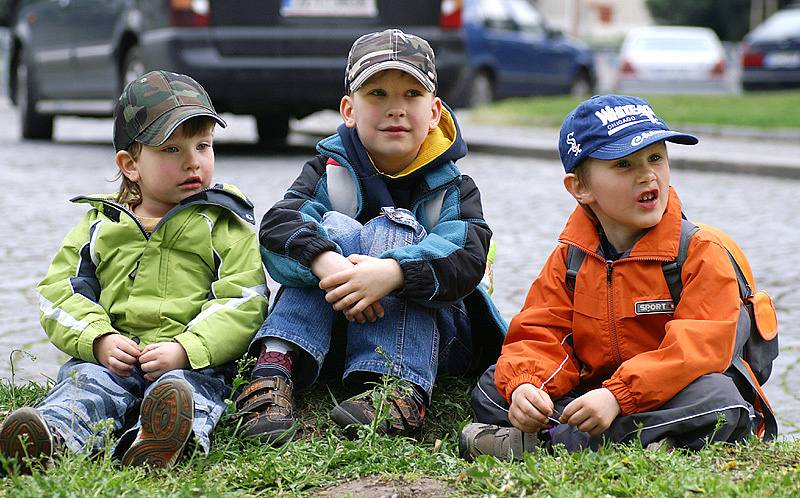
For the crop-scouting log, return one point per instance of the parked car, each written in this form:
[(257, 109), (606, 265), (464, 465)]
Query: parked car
[(273, 59), (771, 52), (513, 52), (673, 59)]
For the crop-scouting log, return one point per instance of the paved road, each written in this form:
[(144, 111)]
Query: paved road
[(523, 202)]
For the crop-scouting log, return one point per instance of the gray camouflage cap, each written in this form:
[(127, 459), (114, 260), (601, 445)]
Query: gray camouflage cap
[(152, 107), (390, 49)]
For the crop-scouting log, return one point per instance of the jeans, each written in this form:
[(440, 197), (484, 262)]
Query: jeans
[(86, 394), (417, 341)]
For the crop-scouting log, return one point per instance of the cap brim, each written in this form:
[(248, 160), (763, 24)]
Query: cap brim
[(165, 125), (637, 141), (392, 64)]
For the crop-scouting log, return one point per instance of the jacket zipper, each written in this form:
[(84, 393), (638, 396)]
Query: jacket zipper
[(612, 324)]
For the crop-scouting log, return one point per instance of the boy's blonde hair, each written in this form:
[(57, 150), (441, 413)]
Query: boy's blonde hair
[(129, 192)]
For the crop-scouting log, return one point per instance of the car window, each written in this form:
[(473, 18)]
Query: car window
[(527, 17), (495, 15), (676, 43), (783, 24)]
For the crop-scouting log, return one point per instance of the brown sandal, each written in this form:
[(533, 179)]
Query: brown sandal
[(266, 407), (406, 414)]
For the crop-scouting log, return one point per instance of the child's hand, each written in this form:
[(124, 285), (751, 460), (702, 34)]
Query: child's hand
[(355, 290), (117, 353), (593, 412), (161, 357), (329, 263), (530, 407)]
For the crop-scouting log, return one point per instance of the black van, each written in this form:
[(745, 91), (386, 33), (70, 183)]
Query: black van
[(273, 59)]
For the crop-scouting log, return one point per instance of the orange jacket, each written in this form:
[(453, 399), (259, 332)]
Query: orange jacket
[(561, 341)]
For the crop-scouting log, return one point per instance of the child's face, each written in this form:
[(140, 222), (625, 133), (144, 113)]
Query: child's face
[(393, 114), (628, 195), (171, 172)]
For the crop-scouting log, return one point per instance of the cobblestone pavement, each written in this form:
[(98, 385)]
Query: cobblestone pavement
[(523, 199)]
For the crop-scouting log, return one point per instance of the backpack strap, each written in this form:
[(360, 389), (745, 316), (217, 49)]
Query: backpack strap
[(767, 426), (672, 269), (575, 259)]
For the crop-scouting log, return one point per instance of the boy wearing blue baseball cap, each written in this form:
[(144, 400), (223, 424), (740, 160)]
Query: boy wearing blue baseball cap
[(600, 352)]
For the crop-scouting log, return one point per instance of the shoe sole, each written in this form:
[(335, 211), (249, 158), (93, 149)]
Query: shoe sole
[(349, 423), (343, 418), (276, 437), (465, 449), (167, 416), (25, 423)]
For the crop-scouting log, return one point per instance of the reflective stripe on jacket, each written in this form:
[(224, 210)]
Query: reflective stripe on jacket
[(197, 279), (611, 331)]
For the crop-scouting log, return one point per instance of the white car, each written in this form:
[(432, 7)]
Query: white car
[(673, 59)]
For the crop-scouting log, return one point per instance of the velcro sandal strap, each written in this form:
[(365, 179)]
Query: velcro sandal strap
[(264, 392)]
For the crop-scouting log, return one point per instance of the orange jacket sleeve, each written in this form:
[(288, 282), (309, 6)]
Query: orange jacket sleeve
[(698, 340), (537, 349)]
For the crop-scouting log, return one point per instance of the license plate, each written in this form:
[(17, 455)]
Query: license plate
[(326, 8), (782, 59)]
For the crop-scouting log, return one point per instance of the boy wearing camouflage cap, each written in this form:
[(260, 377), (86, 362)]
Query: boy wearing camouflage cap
[(153, 294), (382, 229)]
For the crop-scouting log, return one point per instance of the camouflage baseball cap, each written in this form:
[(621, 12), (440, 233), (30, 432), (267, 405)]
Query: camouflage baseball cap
[(390, 49), (152, 107)]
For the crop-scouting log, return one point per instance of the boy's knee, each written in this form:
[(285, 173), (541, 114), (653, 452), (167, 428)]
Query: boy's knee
[(733, 411)]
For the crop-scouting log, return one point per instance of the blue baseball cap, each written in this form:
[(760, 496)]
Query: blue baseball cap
[(610, 127)]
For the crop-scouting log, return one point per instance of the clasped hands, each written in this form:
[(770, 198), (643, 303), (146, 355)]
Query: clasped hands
[(592, 412), (355, 284), (120, 354)]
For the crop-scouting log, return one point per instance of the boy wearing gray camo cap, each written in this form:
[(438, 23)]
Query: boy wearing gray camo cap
[(381, 229)]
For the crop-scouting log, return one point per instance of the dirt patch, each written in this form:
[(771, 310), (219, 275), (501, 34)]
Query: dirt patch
[(375, 487)]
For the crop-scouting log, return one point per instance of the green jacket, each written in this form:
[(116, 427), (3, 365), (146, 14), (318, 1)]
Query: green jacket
[(197, 279)]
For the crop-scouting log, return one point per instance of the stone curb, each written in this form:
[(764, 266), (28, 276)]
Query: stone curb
[(740, 167)]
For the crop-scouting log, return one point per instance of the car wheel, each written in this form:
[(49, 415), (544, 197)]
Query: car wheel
[(132, 67), (272, 129), (481, 91), (581, 85), (33, 125)]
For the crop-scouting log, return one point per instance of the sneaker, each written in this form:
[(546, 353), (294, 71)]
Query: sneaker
[(25, 437), (503, 443), (406, 414), (167, 416), (266, 406)]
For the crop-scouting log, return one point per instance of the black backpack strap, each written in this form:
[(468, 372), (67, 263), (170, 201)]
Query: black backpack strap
[(760, 402), (575, 259), (672, 269)]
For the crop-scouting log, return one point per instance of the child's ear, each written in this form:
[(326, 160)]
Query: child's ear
[(347, 111), (436, 113), (127, 165), (578, 189)]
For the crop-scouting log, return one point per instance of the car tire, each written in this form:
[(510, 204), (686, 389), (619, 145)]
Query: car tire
[(273, 128), (33, 125), (481, 90), (582, 85), (132, 67)]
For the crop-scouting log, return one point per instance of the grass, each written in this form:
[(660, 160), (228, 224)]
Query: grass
[(766, 110), (241, 467)]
